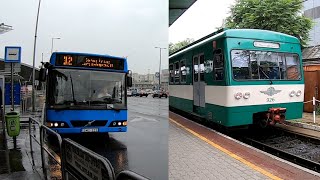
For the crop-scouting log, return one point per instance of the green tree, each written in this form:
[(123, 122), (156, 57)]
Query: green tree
[(174, 47), (276, 15)]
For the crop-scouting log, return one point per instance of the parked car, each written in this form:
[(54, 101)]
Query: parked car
[(143, 93), (129, 93), (134, 93), (159, 94)]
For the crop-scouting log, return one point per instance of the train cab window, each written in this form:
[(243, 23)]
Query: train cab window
[(218, 63), (240, 64), (183, 71), (195, 68), (292, 67), (261, 65), (171, 72), (176, 73), (201, 67)]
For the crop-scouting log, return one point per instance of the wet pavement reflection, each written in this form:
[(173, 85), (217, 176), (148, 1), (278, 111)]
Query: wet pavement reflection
[(144, 148)]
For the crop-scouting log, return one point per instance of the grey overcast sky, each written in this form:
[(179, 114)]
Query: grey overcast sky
[(116, 27), (201, 19)]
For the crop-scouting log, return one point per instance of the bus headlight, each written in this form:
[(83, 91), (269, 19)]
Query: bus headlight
[(292, 93), (298, 93), (246, 95), (238, 95)]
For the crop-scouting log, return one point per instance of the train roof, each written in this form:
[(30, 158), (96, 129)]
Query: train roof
[(258, 34)]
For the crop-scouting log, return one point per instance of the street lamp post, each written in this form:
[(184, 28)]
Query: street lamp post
[(34, 59), (52, 42), (160, 67)]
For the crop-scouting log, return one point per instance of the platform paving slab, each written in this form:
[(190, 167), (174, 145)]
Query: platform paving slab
[(191, 158)]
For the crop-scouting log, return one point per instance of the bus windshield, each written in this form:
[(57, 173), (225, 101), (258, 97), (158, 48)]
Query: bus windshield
[(86, 89), (261, 65)]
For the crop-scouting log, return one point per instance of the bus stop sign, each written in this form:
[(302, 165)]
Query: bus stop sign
[(12, 54)]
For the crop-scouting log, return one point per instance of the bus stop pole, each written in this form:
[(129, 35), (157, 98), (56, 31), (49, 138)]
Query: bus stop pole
[(12, 104)]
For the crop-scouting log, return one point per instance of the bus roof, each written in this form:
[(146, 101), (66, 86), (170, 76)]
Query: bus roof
[(258, 34)]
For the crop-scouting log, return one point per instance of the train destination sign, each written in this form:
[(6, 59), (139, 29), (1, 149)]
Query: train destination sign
[(89, 61)]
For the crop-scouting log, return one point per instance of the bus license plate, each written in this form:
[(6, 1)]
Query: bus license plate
[(89, 130)]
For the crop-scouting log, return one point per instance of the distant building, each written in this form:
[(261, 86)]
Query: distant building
[(311, 9), (149, 81)]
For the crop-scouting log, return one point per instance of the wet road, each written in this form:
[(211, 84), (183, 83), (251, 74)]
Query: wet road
[(144, 148)]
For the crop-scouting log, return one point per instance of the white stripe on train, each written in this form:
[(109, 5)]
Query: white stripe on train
[(224, 95)]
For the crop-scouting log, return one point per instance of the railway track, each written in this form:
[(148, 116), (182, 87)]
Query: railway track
[(295, 147), (291, 146)]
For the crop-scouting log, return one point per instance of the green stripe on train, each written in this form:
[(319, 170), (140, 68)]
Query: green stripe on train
[(234, 116)]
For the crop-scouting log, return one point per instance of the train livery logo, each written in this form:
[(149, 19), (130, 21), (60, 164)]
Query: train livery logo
[(271, 91)]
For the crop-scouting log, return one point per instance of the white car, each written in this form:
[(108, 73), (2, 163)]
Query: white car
[(129, 93)]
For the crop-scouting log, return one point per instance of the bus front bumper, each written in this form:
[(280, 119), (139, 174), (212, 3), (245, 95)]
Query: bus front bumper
[(89, 130)]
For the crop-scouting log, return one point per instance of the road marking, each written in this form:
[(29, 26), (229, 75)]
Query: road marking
[(137, 119), (252, 166)]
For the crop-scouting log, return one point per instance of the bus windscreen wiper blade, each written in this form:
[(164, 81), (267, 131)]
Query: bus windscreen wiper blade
[(72, 90)]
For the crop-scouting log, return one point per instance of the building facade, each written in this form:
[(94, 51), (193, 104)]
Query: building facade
[(311, 9)]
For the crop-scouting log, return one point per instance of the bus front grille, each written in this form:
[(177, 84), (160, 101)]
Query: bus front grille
[(80, 123)]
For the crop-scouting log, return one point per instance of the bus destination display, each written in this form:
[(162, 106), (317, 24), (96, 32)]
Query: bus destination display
[(89, 61)]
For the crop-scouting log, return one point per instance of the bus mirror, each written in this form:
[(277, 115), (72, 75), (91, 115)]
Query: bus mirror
[(129, 81), (42, 74)]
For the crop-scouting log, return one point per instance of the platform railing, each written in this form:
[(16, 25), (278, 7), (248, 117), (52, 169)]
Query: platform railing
[(65, 159), (314, 104), (45, 130)]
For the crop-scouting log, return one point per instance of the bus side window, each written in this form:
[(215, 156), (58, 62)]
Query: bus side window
[(218, 63)]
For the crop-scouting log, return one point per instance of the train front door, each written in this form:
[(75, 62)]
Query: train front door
[(198, 82)]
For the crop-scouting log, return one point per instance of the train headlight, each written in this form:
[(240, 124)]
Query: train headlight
[(56, 124), (238, 95), (61, 124), (119, 123), (246, 95), (298, 93), (292, 93)]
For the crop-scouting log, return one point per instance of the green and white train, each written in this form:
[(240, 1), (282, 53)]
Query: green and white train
[(239, 77)]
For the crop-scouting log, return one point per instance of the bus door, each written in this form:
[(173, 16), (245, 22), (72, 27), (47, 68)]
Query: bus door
[(198, 82)]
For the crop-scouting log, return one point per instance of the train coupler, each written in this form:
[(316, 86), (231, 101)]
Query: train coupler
[(276, 115)]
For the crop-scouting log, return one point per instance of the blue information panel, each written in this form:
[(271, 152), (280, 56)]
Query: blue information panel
[(16, 93)]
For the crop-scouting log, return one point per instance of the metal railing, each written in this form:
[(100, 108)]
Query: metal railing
[(314, 104), (43, 130), (63, 159)]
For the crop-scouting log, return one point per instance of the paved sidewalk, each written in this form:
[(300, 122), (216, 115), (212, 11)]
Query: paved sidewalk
[(192, 158)]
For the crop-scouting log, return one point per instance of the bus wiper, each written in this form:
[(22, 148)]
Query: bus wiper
[(72, 90), (265, 75), (111, 107)]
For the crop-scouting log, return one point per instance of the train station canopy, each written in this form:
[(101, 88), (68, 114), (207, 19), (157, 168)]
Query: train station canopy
[(4, 28), (177, 8)]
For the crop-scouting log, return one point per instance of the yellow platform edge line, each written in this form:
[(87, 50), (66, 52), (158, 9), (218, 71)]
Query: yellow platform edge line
[(249, 164)]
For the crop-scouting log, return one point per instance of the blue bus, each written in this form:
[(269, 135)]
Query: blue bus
[(86, 93)]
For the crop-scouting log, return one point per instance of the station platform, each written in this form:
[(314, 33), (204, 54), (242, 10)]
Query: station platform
[(306, 122), (197, 152)]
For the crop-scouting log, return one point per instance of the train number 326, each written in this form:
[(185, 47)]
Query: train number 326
[(270, 99)]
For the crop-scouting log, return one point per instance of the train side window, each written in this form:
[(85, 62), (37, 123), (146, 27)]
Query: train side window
[(176, 73), (201, 67), (171, 72), (218, 65), (195, 69), (183, 71)]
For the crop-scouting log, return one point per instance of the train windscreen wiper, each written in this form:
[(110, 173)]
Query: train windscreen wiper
[(265, 74)]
